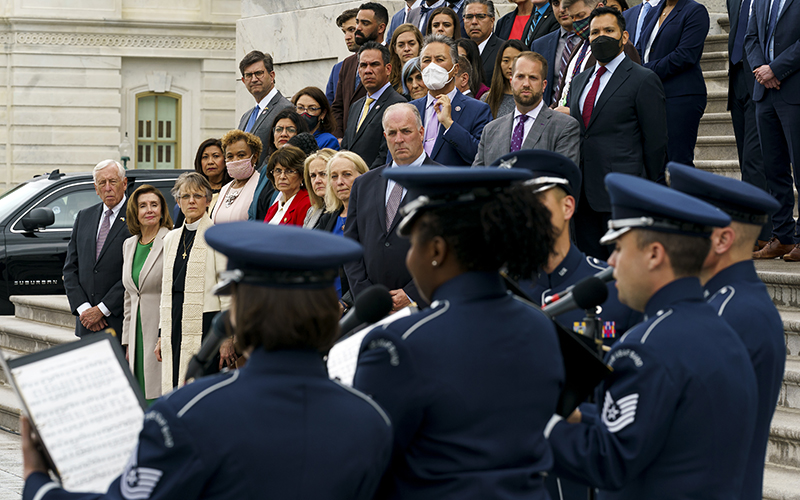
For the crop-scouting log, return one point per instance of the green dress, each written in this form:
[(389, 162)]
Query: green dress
[(142, 251)]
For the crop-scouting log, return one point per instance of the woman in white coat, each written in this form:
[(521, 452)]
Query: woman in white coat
[(142, 268)]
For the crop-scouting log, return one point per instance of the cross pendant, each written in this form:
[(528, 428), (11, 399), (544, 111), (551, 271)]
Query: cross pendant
[(184, 255)]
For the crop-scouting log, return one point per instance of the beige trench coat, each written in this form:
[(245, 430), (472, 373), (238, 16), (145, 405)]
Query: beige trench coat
[(147, 297)]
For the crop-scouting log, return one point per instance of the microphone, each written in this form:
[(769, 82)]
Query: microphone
[(587, 293), (605, 275), (371, 306), (201, 361)]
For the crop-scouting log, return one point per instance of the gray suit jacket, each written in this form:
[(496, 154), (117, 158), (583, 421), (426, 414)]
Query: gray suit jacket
[(552, 131), (264, 123)]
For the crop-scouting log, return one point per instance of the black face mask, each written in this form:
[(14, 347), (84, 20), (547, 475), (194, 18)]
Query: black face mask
[(310, 120), (605, 48)]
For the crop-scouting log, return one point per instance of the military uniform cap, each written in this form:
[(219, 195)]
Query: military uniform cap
[(742, 201), (279, 256), (639, 203), (435, 187), (549, 169)]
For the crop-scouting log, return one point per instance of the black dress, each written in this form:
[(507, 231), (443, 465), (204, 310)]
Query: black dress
[(178, 287)]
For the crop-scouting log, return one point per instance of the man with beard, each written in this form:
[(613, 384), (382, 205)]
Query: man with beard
[(371, 22), (532, 125)]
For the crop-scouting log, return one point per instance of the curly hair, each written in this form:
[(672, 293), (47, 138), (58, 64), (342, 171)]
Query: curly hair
[(252, 141), (511, 229)]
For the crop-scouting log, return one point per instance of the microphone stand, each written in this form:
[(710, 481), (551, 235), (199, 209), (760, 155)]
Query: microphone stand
[(593, 330)]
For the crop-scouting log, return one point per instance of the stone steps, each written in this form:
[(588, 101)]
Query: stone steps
[(48, 309), (781, 483), (717, 102), (784, 438), (716, 124), (716, 148)]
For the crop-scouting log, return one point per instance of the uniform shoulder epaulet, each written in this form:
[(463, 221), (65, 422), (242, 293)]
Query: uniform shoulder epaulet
[(596, 263)]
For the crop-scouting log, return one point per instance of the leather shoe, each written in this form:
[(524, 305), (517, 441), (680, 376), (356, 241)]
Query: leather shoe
[(774, 249), (759, 245), (794, 255)]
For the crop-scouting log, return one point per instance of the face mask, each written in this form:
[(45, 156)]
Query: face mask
[(240, 169), (310, 120), (435, 77), (605, 48), (581, 28)]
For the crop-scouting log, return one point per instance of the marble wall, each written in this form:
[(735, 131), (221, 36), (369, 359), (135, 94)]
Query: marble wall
[(70, 73)]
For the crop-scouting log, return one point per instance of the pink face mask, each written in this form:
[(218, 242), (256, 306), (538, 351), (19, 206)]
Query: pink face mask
[(240, 169)]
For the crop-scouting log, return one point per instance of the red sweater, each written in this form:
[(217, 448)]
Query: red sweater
[(296, 213)]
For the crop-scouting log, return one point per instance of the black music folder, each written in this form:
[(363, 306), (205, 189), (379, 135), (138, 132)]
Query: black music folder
[(85, 406)]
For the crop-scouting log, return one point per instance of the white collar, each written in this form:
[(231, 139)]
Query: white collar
[(534, 113), (612, 65), (451, 95), (262, 105)]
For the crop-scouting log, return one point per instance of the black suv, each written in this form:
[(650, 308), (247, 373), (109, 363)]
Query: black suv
[(36, 221)]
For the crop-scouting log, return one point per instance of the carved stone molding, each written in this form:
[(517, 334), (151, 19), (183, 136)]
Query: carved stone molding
[(122, 41)]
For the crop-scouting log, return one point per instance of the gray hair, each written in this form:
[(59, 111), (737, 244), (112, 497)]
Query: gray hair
[(193, 181), (403, 105), (409, 68), (108, 163), (439, 38), (488, 3)]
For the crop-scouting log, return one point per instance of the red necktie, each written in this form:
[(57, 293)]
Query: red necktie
[(588, 104)]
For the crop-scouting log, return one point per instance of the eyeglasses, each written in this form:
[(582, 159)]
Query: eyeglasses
[(257, 74), (288, 172), (291, 130), (479, 17), (310, 109), (193, 196)]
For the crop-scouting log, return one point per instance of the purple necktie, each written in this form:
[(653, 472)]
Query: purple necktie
[(431, 130), (519, 131), (105, 227)]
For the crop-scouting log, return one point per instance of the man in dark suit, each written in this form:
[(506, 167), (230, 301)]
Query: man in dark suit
[(370, 26), (773, 50), (532, 125), (636, 18), (742, 106), (622, 114), (372, 216), (421, 14), (400, 17), (479, 21), (556, 48), (347, 23), (259, 78), (364, 134), (93, 268), (541, 22), (453, 123)]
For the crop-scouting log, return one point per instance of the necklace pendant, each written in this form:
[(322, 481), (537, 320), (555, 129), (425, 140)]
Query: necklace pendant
[(184, 255)]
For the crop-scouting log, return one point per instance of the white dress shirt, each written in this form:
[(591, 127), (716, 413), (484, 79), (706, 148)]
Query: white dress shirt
[(262, 104), (114, 213), (528, 125), (610, 68)]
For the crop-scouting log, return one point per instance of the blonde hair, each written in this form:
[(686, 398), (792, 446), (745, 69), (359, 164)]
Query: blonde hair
[(332, 202), (325, 155)]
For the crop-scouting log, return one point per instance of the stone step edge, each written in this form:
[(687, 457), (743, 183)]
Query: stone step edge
[(716, 117), (48, 334), (716, 140), (781, 482), (9, 409), (785, 425), (713, 55), (717, 74)]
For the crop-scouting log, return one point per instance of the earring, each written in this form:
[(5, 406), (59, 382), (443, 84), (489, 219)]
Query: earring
[(434, 263)]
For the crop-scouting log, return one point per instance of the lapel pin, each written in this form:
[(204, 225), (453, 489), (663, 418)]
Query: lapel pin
[(458, 108)]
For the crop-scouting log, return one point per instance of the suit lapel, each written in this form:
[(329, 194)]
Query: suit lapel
[(372, 113), (456, 108), (784, 9), (263, 116), (617, 78), (96, 214), (671, 17), (155, 251), (380, 196), (506, 131), (538, 128), (116, 227)]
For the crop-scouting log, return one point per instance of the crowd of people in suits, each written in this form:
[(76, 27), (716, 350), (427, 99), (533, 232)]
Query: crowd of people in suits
[(595, 99)]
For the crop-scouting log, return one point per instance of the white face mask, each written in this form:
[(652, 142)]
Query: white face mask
[(435, 77)]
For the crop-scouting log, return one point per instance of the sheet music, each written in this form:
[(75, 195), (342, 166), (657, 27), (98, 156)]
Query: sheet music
[(343, 357), (86, 413)]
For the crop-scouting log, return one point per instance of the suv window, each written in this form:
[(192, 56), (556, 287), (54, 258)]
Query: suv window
[(66, 203)]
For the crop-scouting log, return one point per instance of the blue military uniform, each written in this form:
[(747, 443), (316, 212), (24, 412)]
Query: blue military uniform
[(551, 170), (675, 419), (468, 383), (742, 300), (277, 428)]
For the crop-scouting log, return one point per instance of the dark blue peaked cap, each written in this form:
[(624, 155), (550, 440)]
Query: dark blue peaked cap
[(743, 202), (549, 169), (639, 203), (279, 256), (434, 187)]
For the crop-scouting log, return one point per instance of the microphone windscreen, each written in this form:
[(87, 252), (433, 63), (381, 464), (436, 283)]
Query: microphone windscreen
[(373, 304), (590, 292)]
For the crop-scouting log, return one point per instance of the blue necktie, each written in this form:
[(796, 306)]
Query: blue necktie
[(642, 15), (423, 17), (738, 41), (252, 121), (358, 80), (773, 20)]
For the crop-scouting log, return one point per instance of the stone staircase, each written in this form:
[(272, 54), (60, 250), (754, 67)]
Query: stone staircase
[(39, 322)]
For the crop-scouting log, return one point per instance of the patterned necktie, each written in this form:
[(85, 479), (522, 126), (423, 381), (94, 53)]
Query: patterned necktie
[(393, 204), (431, 130), (588, 104), (528, 38), (252, 121), (105, 227), (640, 22), (519, 131), (364, 112), (562, 70), (577, 68)]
